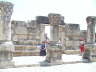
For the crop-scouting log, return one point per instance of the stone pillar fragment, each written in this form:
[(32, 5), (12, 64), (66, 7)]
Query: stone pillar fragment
[(55, 20), (91, 20), (54, 51), (6, 46), (54, 54), (54, 32)]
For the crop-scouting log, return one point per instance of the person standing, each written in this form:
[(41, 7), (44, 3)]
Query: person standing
[(82, 49), (43, 49), (82, 46)]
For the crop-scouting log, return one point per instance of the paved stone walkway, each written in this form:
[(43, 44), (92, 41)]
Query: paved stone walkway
[(78, 67), (72, 63), (29, 61)]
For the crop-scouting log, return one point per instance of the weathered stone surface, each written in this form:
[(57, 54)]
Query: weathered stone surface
[(54, 33), (19, 30), (1, 31), (91, 21), (26, 34), (6, 9), (87, 54), (62, 36), (54, 54), (83, 35), (6, 51), (92, 48), (54, 19), (6, 46), (42, 20), (72, 36), (25, 31)]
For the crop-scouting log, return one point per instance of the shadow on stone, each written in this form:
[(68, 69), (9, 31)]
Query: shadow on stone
[(45, 63)]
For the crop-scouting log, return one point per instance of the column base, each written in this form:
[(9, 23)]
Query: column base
[(6, 54), (6, 64), (54, 56)]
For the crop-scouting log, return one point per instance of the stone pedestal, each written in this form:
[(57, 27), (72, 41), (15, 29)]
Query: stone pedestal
[(92, 48), (87, 54), (6, 54), (54, 55), (6, 46)]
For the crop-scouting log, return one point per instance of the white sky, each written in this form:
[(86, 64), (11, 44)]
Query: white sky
[(74, 11)]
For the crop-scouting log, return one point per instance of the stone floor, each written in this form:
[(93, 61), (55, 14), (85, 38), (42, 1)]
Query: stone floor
[(78, 67), (27, 61), (37, 60)]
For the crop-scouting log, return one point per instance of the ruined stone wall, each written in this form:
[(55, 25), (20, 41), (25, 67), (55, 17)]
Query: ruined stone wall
[(26, 36), (34, 30), (22, 31), (83, 35), (72, 33), (19, 30)]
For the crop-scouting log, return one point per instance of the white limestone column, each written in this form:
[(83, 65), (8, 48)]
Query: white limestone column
[(91, 20), (6, 45), (54, 33)]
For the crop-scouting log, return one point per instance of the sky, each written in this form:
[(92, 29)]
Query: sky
[(74, 11)]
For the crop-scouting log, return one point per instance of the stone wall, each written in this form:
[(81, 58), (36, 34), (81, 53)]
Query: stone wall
[(26, 36), (22, 31), (72, 33), (19, 30), (83, 35)]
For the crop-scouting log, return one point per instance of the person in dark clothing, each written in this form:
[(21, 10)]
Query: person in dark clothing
[(43, 50)]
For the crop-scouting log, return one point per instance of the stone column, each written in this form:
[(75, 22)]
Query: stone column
[(54, 32), (55, 21), (54, 51), (6, 46), (62, 37), (91, 20)]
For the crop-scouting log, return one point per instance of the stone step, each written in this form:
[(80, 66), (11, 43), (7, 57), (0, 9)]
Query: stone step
[(26, 53), (72, 51), (26, 50), (27, 42), (25, 47)]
